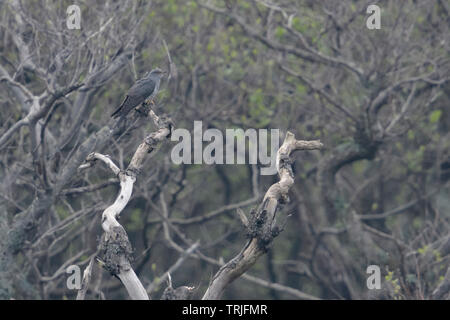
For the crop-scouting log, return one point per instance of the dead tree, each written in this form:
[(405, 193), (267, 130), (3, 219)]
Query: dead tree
[(115, 248), (261, 226)]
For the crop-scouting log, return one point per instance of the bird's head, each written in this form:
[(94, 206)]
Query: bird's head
[(157, 72)]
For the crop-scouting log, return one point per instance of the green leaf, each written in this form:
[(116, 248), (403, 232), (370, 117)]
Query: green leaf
[(422, 250), (279, 32), (301, 89), (435, 116), (210, 46)]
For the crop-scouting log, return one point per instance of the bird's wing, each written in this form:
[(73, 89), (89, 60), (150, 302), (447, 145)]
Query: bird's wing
[(142, 88), (137, 94), (127, 105), (131, 101)]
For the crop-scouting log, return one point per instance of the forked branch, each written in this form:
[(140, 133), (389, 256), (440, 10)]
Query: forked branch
[(261, 226)]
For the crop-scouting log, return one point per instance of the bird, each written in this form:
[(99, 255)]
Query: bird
[(143, 89)]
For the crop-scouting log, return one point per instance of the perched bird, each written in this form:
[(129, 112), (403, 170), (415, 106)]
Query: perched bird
[(143, 89)]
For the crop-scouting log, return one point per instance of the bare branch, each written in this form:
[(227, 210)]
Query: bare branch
[(262, 227)]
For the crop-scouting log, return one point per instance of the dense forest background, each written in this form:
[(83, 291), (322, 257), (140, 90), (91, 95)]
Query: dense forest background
[(377, 193)]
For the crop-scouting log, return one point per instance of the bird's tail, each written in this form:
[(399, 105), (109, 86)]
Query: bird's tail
[(116, 113)]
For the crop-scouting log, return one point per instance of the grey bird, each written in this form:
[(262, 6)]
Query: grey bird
[(143, 89)]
